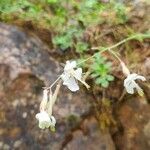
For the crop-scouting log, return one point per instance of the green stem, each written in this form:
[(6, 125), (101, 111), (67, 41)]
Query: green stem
[(114, 46)]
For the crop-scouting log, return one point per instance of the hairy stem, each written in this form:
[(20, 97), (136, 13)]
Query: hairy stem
[(114, 46)]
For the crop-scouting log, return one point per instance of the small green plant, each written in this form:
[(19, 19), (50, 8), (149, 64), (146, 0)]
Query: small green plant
[(81, 47), (67, 20), (101, 71), (121, 13), (63, 41)]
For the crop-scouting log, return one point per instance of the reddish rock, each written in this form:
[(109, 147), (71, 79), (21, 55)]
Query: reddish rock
[(134, 116), (90, 138)]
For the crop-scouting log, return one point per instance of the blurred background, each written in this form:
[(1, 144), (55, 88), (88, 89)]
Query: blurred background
[(36, 37)]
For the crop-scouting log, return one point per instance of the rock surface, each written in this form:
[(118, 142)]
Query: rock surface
[(25, 67), (134, 116), (90, 138)]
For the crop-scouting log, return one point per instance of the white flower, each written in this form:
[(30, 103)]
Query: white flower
[(69, 79), (70, 76), (130, 84), (44, 120), (70, 65)]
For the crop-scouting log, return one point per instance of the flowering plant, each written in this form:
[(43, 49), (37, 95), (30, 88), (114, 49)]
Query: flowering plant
[(72, 75)]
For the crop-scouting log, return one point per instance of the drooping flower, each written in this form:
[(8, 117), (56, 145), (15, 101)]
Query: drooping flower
[(44, 120), (71, 75), (130, 84)]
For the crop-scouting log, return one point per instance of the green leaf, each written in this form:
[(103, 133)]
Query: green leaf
[(110, 77), (63, 41), (52, 1), (100, 71), (108, 65), (94, 75), (105, 84), (99, 80), (95, 66), (81, 47)]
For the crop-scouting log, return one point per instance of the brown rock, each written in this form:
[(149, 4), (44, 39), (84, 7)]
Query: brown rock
[(134, 116), (90, 138)]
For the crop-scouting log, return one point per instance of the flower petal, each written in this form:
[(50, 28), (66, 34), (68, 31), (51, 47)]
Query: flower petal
[(141, 78), (70, 65), (135, 76), (139, 89), (44, 120), (72, 85), (69, 82), (130, 84), (130, 89), (78, 73)]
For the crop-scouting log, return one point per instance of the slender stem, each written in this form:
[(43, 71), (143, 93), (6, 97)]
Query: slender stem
[(116, 45), (92, 56), (53, 83)]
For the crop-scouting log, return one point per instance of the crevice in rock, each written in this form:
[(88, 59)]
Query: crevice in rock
[(69, 136)]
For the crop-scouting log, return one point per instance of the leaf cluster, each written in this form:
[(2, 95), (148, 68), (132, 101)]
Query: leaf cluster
[(67, 19), (101, 71)]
